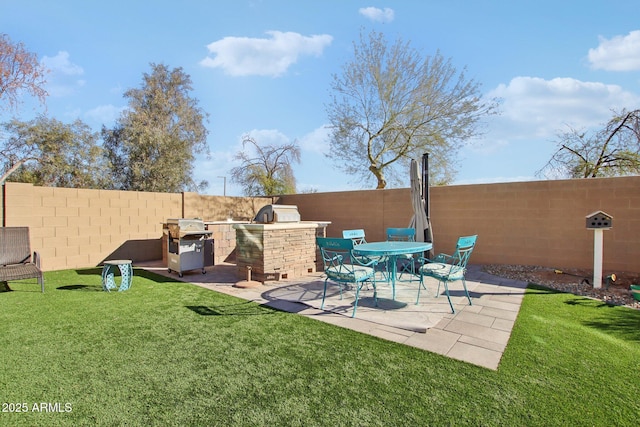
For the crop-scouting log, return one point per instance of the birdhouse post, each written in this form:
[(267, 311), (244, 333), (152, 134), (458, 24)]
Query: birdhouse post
[(598, 222)]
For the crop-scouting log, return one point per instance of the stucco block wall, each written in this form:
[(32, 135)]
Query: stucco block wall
[(77, 228), (224, 243), (534, 223), (530, 223), (220, 208)]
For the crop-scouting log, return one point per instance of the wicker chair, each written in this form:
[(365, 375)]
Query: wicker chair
[(16, 260)]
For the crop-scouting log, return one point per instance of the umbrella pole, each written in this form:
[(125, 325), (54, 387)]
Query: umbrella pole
[(427, 202)]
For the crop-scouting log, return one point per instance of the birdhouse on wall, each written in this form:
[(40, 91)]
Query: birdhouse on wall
[(599, 220)]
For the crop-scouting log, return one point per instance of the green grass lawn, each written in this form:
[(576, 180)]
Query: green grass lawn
[(171, 354)]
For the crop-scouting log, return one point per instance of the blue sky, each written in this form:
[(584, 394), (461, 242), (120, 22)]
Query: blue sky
[(264, 67)]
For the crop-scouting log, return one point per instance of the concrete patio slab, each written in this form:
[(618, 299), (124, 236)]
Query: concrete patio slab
[(476, 334)]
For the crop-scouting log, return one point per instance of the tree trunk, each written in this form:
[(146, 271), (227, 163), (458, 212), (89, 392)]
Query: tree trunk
[(382, 183)]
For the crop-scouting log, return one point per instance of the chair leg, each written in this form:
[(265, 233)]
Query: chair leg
[(420, 286), (446, 290), (375, 295), (464, 284), (408, 267), (324, 294), (375, 292), (355, 305)]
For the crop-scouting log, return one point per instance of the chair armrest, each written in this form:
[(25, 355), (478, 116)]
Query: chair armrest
[(360, 260), (442, 258)]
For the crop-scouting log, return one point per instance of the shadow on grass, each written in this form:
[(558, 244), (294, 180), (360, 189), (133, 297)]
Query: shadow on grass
[(158, 278), (246, 308), (137, 272), (620, 322), (532, 289), (79, 287)]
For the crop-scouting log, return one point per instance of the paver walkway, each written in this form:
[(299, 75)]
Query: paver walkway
[(476, 334)]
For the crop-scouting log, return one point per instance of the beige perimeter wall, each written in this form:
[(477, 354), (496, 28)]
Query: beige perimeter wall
[(535, 223), (531, 223), (76, 228)]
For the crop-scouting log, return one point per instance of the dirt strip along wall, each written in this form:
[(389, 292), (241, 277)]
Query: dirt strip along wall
[(530, 223)]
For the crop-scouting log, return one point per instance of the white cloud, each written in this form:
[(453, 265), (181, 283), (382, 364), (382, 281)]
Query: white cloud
[(620, 53), (487, 147), (244, 56), (62, 81), (376, 14), (62, 65), (317, 141), (104, 114), (535, 107), (268, 137)]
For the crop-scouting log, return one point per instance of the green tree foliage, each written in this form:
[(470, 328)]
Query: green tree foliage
[(19, 71), (267, 171), (390, 105), (48, 152), (154, 143), (613, 150)]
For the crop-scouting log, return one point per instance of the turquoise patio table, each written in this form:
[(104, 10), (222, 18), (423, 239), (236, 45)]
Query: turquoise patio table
[(392, 249)]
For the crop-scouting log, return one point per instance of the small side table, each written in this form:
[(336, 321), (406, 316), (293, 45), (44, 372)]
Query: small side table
[(126, 274)]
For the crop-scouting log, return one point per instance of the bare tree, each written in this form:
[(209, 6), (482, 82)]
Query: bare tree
[(611, 151), (19, 71), (268, 171), (390, 105)]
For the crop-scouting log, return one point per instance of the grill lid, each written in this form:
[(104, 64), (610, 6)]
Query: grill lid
[(277, 213), (180, 227)]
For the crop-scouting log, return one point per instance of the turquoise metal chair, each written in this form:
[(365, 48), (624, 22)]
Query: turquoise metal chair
[(341, 266), (449, 268), (357, 236), (407, 260)]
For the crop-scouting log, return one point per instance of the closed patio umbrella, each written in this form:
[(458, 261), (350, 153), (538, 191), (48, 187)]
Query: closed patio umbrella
[(419, 221)]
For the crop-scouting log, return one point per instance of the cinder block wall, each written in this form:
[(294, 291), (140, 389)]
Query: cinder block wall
[(74, 228), (224, 243), (79, 228), (530, 223), (534, 223), (219, 208)]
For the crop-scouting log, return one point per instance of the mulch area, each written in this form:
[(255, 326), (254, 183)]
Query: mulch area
[(575, 281)]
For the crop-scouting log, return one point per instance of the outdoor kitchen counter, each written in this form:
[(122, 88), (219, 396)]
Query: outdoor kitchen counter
[(283, 225), (274, 251)]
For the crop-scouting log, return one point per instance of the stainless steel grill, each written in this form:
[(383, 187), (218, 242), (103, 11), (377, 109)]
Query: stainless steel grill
[(186, 247), (278, 213)]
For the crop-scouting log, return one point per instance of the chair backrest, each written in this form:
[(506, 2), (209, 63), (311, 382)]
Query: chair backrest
[(335, 251), (14, 245), (464, 248), (401, 234), (356, 236)]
